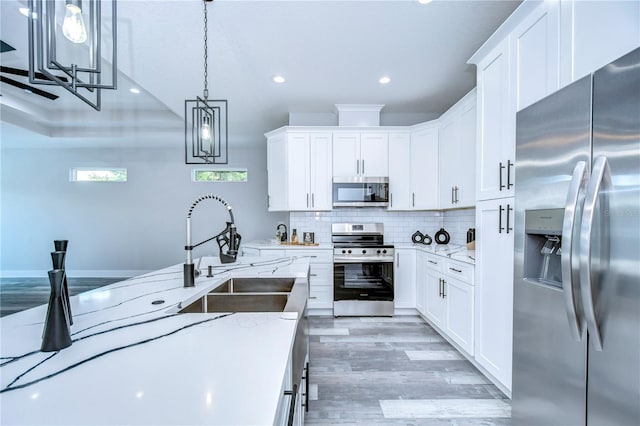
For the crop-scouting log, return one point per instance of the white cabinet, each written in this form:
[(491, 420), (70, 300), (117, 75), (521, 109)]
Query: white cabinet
[(320, 276), (536, 54), (457, 145), (424, 168), (459, 293), (404, 278), (435, 304), (594, 33), (360, 154), (421, 282), (400, 171), (496, 126), (494, 287), (299, 171)]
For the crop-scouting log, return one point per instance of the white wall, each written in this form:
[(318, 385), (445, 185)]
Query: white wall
[(120, 228)]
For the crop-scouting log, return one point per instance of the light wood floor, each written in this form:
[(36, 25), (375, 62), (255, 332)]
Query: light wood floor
[(395, 371)]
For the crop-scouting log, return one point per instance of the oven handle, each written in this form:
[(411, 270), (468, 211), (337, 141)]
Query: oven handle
[(361, 259)]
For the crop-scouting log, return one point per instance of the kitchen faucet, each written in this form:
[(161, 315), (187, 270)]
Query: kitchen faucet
[(283, 236), (228, 237)]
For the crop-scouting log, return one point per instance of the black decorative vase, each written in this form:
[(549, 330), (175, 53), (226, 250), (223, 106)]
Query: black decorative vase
[(58, 263), (56, 334)]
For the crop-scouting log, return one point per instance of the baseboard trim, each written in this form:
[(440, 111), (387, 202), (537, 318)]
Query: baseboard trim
[(75, 273)]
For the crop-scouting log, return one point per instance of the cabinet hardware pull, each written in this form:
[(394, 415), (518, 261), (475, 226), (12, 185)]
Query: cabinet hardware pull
[(500, 171), (457, 198), (456, 270), (391, 199), (452, 196), (439, 287), (268, 201), (413, 202), (357, 167), (312, 297), (507, 211), (307, 200), (500, 228), (444, 295), (313, 200), (306, 386), (363, 167), (292, 407), (509, 165), (313, 275), (431, 261), (397, 260)]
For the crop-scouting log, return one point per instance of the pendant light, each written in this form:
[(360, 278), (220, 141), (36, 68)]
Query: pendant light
[(67, 47), (205, 121)]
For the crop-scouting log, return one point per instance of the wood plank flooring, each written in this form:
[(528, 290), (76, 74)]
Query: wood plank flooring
[(18, 294), (395, 371)]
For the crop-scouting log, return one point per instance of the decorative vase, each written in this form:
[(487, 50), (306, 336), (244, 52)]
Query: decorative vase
[(58, 257), (56, 334)]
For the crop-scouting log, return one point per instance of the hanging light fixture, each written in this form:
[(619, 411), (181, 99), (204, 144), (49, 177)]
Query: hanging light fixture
[(205, 121), (65, 36)]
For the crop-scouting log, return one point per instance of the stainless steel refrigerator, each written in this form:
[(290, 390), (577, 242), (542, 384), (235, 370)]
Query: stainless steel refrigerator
[(576, 338)]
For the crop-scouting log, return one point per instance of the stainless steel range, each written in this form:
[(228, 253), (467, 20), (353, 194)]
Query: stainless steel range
[(362, 270)]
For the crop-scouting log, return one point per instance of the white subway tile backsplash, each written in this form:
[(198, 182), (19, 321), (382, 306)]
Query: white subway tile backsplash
[(398, 226)]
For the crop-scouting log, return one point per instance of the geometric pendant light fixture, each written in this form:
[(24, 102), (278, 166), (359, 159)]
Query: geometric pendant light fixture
[(205, 121), (75, 38)]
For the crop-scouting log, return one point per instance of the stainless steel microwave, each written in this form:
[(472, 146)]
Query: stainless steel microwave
[(361, 192)]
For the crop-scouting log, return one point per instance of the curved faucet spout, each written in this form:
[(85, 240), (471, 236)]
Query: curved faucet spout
[(228, 237)]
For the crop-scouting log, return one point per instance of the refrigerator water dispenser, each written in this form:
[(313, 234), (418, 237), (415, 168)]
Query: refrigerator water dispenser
[(543, 246)]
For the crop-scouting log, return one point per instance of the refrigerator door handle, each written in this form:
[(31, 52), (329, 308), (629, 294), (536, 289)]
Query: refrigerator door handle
[(600, 175), (575, 196)]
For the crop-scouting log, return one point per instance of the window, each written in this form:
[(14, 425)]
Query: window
[(204, 175), (97, 174)]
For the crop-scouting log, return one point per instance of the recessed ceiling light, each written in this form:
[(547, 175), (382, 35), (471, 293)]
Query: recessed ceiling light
[(278, 79), (424, 1), (384, 80), (134, 90)]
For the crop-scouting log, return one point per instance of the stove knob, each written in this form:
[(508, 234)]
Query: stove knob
[(344, 251), (378, 252), (349, 251), (384, 252), (364, 252)]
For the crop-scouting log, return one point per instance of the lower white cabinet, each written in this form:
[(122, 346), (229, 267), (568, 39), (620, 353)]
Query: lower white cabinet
[(320, 276), (446, 288), (494, 288), (404, 278)]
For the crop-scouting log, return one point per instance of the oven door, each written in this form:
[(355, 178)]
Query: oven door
[(363, 281)]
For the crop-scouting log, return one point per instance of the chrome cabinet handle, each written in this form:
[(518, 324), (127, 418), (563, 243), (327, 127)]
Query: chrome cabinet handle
[(600, 176), (362, 166), (575, 197), (452, 196), (500, 173), (391, 199), (397, 260), (357, 167), (413, 196), (307, 200), (313, 200)]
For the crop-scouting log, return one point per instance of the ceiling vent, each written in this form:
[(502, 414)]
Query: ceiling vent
[(358, 115)]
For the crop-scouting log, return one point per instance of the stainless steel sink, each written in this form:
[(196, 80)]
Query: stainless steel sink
[(250, 295), (256, 285)]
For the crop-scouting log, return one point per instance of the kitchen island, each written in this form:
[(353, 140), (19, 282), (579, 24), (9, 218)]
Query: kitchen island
[(136, 360)]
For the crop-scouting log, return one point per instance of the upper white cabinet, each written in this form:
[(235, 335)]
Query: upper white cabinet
[(299, 171), (457, 138), (360, 154), (400, 171), (424, 168), (594, 33), (536, 54), (496, 125)]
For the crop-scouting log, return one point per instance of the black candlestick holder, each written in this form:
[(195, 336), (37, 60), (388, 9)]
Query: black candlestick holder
[(56, 333)]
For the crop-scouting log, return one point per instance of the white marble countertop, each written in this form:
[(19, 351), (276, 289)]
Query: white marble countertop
[(273, 244), (132, 362), (452, 251)]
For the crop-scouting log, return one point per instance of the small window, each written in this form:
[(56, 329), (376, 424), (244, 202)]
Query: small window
[(203, 175), (97, 174)]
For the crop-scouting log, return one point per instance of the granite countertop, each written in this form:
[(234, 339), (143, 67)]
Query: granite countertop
[(133, 362), (273, 244), (457, 252)]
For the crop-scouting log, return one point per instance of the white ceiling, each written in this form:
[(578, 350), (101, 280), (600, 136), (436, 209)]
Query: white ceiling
[(330, 52)]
